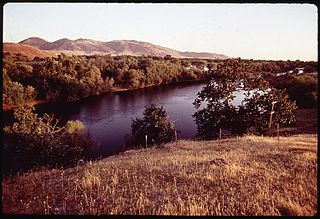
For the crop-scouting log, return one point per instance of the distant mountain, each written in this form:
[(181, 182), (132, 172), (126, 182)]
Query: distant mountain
[(26, 50), (116, 47), (34, 41)]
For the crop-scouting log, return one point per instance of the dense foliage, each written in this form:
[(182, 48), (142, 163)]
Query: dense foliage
[(301, 88), (216, 111), (36, 141), (15, 93), (155, 124), (70, 78)]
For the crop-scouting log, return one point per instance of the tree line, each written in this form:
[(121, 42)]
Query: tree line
[(70, 78)]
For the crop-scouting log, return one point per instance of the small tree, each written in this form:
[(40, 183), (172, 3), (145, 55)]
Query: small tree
[(155, 124)]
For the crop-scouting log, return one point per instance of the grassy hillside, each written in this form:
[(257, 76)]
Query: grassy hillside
[(245, 176), (26, 50)]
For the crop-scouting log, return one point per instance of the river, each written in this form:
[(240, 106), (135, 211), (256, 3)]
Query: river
[(108, 116)]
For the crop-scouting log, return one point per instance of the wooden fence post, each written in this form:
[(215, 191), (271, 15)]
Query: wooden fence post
[(220, 133), (175, 135), (278, 132), (146, 140)]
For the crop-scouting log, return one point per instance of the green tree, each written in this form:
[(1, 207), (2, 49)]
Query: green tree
[(155, 124), (256, 109), (133, 78), (215, 109), (36, 141), (301, 88), (15, 93)]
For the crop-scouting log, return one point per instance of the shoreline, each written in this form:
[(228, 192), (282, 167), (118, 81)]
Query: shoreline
[(6, 108)]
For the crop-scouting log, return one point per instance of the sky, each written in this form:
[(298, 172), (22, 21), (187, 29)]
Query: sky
[(257, 31)]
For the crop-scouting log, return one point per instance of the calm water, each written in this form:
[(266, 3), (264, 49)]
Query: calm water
[(108, 116)]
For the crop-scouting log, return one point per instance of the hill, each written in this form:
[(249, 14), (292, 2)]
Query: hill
[(26, 50), (116, 47), (250, 175), (34, 41)]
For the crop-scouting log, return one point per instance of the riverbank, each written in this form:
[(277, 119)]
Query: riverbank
[(112, 90), (250, 175), (12, 107)]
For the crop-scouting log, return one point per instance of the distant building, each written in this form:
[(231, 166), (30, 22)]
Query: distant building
[(281, 73), (300, 71)]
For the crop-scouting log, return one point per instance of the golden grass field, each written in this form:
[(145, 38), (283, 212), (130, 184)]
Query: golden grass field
[(250, 175)]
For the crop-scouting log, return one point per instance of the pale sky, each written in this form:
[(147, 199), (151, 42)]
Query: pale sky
[(257, 31)]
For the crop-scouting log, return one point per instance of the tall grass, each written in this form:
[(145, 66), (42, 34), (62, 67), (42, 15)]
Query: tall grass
[(244, 176)]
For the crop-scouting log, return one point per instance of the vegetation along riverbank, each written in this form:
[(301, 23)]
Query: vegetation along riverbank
[(70, 78)]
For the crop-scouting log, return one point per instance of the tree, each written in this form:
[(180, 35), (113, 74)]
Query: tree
[(37, 141), (215, 109), (133, 78), (15, 93), (301, 88), (155, 124), (257, 109)]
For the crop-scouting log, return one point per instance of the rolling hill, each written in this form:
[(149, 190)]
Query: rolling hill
[(116, 47), (26, 50)]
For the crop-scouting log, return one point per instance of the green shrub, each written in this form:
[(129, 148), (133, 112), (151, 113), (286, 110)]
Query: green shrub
[(38, 141), (155, 124)]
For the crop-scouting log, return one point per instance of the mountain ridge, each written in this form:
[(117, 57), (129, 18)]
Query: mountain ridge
[(115, 47)]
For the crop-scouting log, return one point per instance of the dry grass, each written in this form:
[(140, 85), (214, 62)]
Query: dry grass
[(245, 176), (26, 50)]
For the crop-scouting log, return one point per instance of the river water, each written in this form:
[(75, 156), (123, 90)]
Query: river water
[(108, 117)]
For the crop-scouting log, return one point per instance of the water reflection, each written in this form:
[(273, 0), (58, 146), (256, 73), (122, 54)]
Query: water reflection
[(108, 116)]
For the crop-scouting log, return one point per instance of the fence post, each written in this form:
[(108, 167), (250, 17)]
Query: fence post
[(272, 112), (146, 140), (175, 135), (278, 132), (220, 133)]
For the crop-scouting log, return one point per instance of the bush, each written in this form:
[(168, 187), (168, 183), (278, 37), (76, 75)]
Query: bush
[(38, 141), (155, 124)]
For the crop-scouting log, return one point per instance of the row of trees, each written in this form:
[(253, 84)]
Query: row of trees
[(70, 78), (301, 88)]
